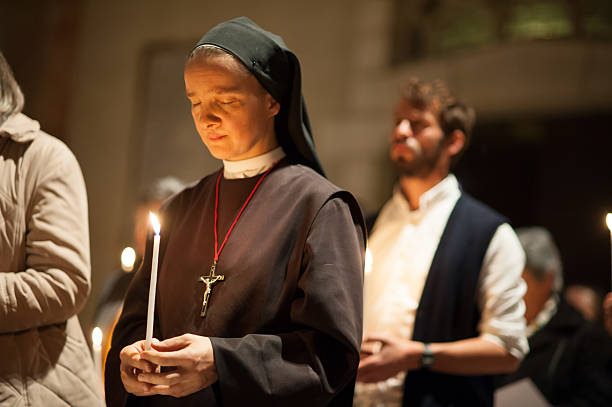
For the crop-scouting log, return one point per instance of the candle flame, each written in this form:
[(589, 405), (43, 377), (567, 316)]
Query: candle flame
[(96, 336), (154, 223), (128, 258), (368, 261), (609, 221)]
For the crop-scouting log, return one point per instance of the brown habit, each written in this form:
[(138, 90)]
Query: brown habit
[(285, 324)]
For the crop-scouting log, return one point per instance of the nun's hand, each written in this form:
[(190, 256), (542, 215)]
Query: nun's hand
[(193, 361)]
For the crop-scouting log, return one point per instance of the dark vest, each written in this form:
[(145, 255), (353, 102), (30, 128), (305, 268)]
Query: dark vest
[(448, 310)]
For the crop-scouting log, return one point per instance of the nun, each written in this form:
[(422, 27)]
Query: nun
[(259, 292)]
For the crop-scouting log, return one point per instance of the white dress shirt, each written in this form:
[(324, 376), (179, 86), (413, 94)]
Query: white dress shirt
[(402, 246), (252, 166)]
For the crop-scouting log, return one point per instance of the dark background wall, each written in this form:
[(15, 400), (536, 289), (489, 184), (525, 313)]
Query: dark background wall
[(550, 171), (39, 38)]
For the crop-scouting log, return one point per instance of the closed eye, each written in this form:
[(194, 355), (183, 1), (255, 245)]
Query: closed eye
[(192, 101)]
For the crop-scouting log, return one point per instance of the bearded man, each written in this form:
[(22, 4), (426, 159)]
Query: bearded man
[(443, 309)]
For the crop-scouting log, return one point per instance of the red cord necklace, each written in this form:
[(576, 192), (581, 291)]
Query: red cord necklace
[(212, 278)]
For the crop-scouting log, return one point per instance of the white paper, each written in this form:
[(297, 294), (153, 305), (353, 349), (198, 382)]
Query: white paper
[(520, 393)]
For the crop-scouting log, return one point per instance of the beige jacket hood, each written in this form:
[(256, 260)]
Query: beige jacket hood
[(19, 128)]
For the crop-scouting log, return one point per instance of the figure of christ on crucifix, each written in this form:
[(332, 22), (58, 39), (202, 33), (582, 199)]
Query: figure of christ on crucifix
[(209, 280)]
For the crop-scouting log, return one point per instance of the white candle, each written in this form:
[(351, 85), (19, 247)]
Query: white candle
[(153, 283), (366, 295), (96, 341), (609, 223)]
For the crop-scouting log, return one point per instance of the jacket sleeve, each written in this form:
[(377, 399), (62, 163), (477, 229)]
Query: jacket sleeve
[(56, 280), (311, 364)]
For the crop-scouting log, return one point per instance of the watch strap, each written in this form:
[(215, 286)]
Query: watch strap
[(427, 358)]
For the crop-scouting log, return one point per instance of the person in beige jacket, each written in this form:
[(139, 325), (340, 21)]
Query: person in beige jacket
[(44, 264)]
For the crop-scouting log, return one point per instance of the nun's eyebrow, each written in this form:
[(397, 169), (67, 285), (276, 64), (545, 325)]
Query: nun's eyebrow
[(232, 89), (219, 91)]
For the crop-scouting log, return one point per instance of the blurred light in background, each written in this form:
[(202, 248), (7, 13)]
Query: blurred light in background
[(96, 336), (368, 261), (96, 340), (539, 20), (428, 28), (128, 258)]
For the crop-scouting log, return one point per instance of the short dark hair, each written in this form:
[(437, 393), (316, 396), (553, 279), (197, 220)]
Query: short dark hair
[(452, 114), (11, 98)]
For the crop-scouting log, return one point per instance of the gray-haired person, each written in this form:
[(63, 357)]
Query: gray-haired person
[(570, 358), (44, 264)]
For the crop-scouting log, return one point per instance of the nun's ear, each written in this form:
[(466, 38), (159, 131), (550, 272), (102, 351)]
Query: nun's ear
[(272, 106)]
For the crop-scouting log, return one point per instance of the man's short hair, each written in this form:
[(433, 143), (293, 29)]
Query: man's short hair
[(11, 98), (452, 114), (542, 255)]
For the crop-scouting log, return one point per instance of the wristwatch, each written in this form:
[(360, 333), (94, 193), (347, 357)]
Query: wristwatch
[(427, 358)]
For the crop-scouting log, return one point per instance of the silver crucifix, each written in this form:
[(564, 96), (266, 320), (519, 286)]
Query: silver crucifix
[(209, 280)]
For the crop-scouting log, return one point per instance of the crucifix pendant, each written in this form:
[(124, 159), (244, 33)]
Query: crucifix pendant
[(209, 280)]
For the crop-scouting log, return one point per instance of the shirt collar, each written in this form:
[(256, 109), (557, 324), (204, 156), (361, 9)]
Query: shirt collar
[(445, 189), (548, 311), (252, 166)]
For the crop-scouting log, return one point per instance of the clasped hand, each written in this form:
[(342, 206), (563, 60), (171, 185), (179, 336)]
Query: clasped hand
[(190, 357), (383, 356)]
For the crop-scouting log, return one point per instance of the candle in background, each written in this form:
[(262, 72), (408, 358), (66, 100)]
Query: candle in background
[(128, 258), (96, 341), (366, 275), (609, 223), (153, 283)]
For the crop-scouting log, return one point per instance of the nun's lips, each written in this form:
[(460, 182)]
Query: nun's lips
[(215, 137)]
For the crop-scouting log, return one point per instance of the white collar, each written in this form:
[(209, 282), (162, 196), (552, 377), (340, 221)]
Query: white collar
[(252, 166), (544, 316), (447, 188)]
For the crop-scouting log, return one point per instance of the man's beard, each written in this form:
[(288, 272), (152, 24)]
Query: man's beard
[(420, 164)]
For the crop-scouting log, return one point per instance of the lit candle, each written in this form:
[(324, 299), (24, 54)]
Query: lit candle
[(153, 283), (366, 276), (96, 341), (609, 223), (128, 258)]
